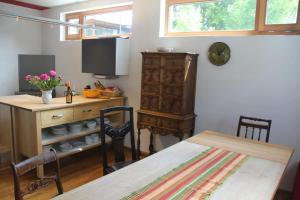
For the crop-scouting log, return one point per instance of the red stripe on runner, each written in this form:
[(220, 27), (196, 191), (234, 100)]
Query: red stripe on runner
[(216, 174), (180, 172), (217, 159)]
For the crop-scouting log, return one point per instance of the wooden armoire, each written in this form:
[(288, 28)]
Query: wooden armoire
[(167, 95)]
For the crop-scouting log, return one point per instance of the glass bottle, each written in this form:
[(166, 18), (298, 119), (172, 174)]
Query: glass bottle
[(69, 93)]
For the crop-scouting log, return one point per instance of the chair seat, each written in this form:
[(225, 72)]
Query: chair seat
[(118, 165)]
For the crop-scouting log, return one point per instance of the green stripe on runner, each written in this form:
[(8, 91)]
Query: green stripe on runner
[(169, 174), (206, 174), (232, 171), (187, 189), (192, 174)]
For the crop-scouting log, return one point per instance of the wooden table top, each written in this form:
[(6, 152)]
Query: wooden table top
[(34, 104), (277, 153), (258, 178)]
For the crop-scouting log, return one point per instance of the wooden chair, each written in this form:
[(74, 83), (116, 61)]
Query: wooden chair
[(253, 124), (30, 164), (117, 135), (296, 190)]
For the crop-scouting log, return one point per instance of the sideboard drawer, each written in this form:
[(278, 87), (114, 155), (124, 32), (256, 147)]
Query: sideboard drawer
[(113, 103), (87, 112), (56, 117)]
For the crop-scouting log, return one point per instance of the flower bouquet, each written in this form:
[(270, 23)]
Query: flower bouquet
[(46, 83)]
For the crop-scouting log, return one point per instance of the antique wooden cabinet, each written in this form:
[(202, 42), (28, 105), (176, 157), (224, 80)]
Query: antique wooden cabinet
[(167, 94)]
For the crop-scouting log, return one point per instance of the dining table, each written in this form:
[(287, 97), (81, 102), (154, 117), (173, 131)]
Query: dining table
[(209, 165)]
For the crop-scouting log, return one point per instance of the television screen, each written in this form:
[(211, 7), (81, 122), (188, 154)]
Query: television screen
[(33, 65), (99, 56)]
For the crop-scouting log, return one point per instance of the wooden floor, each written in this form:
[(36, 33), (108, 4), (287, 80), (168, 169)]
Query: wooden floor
[(75, 171)]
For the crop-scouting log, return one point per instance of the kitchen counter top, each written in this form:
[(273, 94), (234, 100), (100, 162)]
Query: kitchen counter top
[(35, 104)]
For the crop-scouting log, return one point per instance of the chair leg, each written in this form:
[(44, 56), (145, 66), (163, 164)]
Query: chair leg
[(59, 186), (139, 144)]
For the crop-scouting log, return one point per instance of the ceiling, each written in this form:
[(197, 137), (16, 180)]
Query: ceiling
[(51, 3)]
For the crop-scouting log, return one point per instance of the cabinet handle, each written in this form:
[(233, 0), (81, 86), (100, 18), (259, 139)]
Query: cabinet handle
[(85, 111), (57, 116)]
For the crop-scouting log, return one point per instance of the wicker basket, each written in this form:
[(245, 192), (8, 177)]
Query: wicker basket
[(111, 93)]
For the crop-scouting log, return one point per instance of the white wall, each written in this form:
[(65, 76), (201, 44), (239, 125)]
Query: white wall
[(261, 79), (20, 37), (68, 53)]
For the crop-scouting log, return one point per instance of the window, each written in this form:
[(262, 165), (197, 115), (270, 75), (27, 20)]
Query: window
[(229, 17), (73, 33), (107, 22)]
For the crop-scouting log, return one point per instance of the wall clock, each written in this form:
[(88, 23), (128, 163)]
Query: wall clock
[(219, 53)]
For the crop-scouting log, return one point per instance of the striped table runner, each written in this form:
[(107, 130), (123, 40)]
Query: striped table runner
[(194, 179)]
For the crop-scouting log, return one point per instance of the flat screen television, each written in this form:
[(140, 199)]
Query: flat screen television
[(105, 56), (33, 65)]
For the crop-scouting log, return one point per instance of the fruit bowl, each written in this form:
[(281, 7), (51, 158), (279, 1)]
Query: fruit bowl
[(91, 93)]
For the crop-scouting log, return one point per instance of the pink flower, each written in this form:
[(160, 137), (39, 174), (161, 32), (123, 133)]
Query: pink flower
[(52, 73), (27, 77), (44, 77), (36, 78)]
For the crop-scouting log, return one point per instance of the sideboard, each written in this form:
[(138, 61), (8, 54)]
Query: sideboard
[(25, 117), (167, 95)]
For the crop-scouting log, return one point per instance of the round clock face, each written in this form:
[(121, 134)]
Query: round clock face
[(219, 53)]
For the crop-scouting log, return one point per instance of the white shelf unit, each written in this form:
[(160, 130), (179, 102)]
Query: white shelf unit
[(55, 139)]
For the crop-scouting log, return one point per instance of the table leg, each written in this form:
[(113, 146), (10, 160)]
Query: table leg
[(139, 144), (151, 146), (192, 133), (180, 138)]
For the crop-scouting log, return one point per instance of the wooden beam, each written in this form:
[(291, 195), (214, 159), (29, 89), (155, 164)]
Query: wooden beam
[(26, 5)]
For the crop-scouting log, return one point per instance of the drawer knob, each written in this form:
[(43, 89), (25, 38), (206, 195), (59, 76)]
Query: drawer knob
[(85, 111), (57, 116)]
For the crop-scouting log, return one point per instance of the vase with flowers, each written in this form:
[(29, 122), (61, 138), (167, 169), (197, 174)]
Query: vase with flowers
[(46, 83)]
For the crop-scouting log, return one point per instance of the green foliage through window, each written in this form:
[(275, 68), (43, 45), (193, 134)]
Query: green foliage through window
[(213, 16), (282, 11), (228, 15)]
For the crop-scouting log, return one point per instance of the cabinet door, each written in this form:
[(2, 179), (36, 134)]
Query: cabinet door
[(172, 83), (171, 104), (151, 82)]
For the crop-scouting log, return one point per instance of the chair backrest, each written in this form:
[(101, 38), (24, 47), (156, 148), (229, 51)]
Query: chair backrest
[(117, 135), (254, 125), (30, 164)]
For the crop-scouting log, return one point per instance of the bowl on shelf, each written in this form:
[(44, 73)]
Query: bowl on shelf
[(59, 130), (89, 140), (75, 127), (47, 148), (45, 134), (78, 144), (97, 120), (65, 146), (95, 137), (91, 93), (91, 124), (106, 120)]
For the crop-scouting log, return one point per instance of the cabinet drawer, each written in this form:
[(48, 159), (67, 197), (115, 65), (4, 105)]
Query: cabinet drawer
[(93, 110), (56, 117), (147, 120), (112, 103), (170, 123), (87, 112)]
